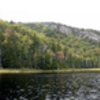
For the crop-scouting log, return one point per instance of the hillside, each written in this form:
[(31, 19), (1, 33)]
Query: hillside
[(84, 33), (78, 41), (35, 45)]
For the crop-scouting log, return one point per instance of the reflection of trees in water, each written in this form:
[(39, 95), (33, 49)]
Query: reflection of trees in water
[(49, 86), (0, 77)]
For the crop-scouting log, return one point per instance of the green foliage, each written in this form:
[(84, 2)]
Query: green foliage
[(34, 45), (80, 46)]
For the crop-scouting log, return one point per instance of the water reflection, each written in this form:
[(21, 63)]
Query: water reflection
[(84, 86)]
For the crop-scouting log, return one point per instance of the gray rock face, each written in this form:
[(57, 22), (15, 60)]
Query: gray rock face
[(52, 26), (65, 29), (61, 28), (78, 32), (90, 35)]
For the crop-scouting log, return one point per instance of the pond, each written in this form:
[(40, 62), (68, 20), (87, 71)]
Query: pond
[(52, 86)]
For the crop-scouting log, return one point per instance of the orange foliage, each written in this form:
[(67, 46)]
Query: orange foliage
[(8, 30), (97, 49), (51, 53), (60, 54)]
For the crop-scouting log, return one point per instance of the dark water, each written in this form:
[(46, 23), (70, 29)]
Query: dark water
[(74, 86)]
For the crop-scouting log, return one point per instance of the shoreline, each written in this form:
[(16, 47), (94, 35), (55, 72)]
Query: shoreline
[(12, 71)]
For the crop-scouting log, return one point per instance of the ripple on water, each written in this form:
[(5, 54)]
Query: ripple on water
[(52, 87)]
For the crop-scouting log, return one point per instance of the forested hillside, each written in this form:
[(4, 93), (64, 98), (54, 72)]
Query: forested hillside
[(35, 45), (84, 47)]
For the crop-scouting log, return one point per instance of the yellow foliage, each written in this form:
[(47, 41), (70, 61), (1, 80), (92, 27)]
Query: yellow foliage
[(23, 28), (6, 34), (29, 30), (41, 35), (49, 51), (3, 22), (87, 58), (18, 34), (30, 42), (26, 37), (5, 41)]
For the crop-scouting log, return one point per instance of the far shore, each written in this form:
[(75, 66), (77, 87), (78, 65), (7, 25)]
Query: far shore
[(8, 71)]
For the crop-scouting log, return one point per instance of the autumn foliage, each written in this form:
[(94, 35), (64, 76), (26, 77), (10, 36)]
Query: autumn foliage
[(60, 54), (97, 49), (8, 30)]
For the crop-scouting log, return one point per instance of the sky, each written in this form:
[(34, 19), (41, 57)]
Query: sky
[(76, 13)]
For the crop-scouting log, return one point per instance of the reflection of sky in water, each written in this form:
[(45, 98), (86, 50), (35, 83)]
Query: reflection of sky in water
[(84, 86)]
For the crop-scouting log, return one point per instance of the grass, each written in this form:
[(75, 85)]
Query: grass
[(27, 70)]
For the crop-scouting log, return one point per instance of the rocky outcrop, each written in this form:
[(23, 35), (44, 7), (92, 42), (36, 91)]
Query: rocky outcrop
[(90, 35), (78, 32), (65, 29), (61, 28)]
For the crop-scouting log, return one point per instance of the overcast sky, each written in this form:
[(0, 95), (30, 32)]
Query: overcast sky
[(77, 13)]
